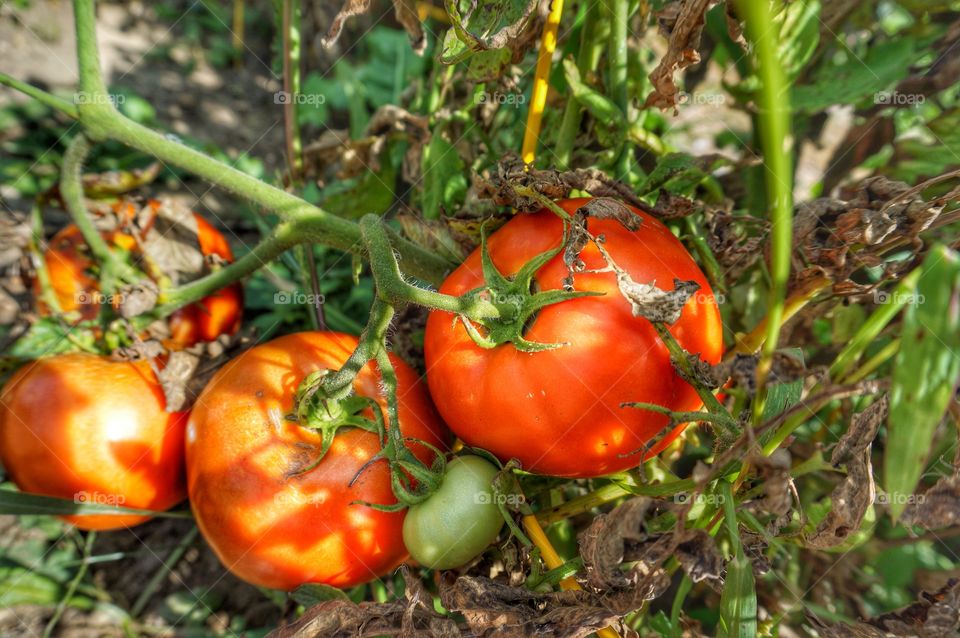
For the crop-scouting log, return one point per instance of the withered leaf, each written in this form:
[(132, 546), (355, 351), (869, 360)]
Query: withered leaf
[(174, 377), (778, 488), (685, 26), (848, 504), (512, 172), (138, 298), (862, 431), (170, 244), (699, 556), (610, 208), (939, 506), (934, 615), (404, 10), (412, 617), (602, 544), (492, 608), (655, 304)]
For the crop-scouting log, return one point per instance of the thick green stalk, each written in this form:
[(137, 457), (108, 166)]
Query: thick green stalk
[(773, 103), (587, 59), (114, 271), (392, 288), (619, 15), (91, 80)]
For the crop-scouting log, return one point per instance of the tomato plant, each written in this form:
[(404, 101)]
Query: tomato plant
[(273, 518), (88, 429), (69, 267), (458, 521), (559, 411)]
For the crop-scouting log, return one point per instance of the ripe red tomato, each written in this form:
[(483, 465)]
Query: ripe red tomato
[(68, 265), (559, 411), (270, 523), (83, 427)]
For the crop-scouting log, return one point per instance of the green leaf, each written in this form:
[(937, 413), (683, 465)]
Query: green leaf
[(598, 105), (23, 586), (314, 593), (782, 396), (49, 336), (22, 503), (859, 77), (924, 375), (483, 26), (933, 152), (738, 601), (444, 182), (368, 192)]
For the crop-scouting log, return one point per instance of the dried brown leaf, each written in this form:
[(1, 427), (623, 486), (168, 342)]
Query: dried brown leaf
[(655, 304), (602, 544), (856, 492), (685, 25), (862, 431), (934, 615), (492, 608), (939, 506), (169, 241), (404, 10)]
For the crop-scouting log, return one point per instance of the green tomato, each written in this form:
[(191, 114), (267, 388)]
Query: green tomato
[(458, 521)]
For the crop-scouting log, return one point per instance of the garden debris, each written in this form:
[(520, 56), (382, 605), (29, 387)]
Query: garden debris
[(840, 236), (512, 173), (856, 492), (492, 608), (169, 240), (939, 506), (655, 304), (619, 537), (779, 491), (934, 615), (336, 155), (734, 249)]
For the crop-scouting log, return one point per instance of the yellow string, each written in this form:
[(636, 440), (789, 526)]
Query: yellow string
[(541, 81)]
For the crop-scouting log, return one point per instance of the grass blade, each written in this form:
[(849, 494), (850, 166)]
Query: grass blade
[(924, 375)]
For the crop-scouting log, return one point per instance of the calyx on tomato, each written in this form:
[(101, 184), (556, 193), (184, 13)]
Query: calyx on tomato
[(325, 402), (318, 409), (517, 302)]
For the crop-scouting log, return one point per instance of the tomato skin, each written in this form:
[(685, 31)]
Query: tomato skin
[(68, 264), (458, 521), (558, 411), (80, 426), (269, 524)]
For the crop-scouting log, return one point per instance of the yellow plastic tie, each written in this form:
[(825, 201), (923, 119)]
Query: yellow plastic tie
[(541, 82)]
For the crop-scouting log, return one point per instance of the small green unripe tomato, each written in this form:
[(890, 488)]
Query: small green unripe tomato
[(458, 521)]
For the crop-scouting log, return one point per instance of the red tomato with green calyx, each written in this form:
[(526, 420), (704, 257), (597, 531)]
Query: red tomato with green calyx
[(559, 411), (271, 519)]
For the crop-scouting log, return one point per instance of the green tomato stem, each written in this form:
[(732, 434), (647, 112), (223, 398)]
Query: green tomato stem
[(41, 96), (102, 120), (619, 16), (591, 48), (773, 103), (71, 191)]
